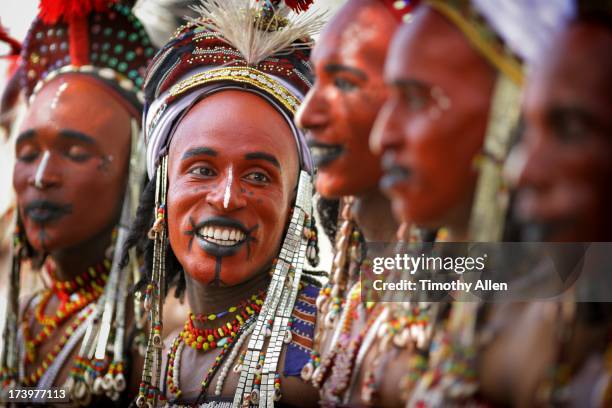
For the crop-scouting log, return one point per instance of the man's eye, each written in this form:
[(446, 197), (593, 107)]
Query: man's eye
[(345, 85), (27, 154), (257, 177), (571, 131), (78, 153), (416, 100), (202, 171)]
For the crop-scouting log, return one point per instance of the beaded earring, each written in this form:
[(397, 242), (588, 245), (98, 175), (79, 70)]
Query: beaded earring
[(148, 392), (312, 235)]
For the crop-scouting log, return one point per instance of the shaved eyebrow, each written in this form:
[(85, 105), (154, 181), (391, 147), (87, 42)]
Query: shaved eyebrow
[(26, 135), (199, 151), (335, 68), (75, 135), (263, 156)]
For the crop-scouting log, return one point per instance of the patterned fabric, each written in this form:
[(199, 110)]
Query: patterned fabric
[(304, 317)]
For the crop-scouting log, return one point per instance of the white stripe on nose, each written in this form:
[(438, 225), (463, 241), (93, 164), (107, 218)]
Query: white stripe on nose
[(228, 188), (40, 171)]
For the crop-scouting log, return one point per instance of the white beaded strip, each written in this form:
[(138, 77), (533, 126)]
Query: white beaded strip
[(231, 358)]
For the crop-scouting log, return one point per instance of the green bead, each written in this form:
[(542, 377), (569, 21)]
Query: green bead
[(138, 82), (106, 46), (133, 74), (94, 57), (149, 52), (108, 31), (130, 55), (113, 62), (122, 66), (118, 49), (133, 37), (121, 34), (104, 57)]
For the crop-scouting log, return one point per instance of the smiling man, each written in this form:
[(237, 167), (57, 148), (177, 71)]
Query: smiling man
[(230, 189)]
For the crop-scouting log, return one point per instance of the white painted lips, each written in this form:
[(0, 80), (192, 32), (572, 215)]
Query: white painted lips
[(222, 235)]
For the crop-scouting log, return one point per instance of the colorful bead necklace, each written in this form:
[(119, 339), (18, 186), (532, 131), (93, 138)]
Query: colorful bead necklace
[(33, 378), (74, 295), (222, 337), (205, 339)]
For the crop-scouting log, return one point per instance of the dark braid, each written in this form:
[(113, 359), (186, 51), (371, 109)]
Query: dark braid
[(328, 216)]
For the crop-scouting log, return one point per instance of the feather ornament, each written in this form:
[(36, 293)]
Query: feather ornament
[(258, 32)]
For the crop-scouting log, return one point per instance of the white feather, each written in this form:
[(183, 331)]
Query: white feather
[(235, 21)]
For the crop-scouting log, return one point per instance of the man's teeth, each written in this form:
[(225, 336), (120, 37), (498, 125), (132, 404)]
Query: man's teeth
[(222, 235)]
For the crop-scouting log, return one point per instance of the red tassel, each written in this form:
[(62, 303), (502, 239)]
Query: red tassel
[(299, 5), (50, 11), (78, 33)]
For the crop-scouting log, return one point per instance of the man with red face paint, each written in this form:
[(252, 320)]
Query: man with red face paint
[(454, 81), (562, 170), (338, 114), (231, 192), (76, 170)]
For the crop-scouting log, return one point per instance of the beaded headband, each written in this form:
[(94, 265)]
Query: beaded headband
[(211, 53), (98, 38)]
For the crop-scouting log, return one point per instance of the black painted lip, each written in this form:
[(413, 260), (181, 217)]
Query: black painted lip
[(215, 249), (42, 211), (324, 159), (393, 173)]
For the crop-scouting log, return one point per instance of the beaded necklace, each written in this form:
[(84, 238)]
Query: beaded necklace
[(74, 296), (205, 340), (50, 357)]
